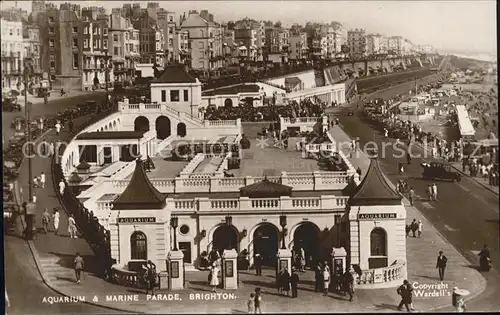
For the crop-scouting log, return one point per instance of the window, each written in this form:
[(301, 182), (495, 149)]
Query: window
[(51, 43), (171, 18), (337, 218), (18, 32), (115, 37), (51, 30), (163, 95), (75, 29), (105, 44), (202, 33), (85, 43), (95, 43), (86, 30), (52, 78), (184, 229), (88, 153), (202, 45), (186, 95), (378, 242), (138, 246), (75, 42), (174, 95), (105, 31), (115, 51), (75, 61)]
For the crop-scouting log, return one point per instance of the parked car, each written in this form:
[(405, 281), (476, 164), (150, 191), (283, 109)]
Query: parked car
[(439, 170)]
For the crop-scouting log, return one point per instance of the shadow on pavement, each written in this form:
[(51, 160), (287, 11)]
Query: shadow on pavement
[(260, 284), (66, 261), (385, 306)]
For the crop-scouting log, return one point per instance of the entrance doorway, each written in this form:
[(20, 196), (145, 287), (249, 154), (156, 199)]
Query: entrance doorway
[(185, 248), (108, 158), (306, 237), (228, 103), (141, 123), (265, 240), (225, 237), (181, 129), (162, 127)]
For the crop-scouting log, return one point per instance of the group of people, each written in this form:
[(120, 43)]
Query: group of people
[(414, 227), (285, 280), (54, 218)]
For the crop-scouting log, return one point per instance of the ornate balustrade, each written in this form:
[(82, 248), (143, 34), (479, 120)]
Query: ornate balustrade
[(381, 276), (192, 165), (126, 277), (299, 181)]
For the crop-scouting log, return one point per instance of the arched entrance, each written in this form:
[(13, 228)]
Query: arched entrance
[(181, 129), (162, 127), (141, 123), (225, 237), (265, 243), (228, 102), (306, 237)]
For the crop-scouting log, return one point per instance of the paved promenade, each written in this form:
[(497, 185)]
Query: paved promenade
[(54, 255)]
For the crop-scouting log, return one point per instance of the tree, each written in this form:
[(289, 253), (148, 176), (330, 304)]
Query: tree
[(230, 25), (278, 24)]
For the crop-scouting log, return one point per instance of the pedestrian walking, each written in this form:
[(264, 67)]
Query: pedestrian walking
[(58, 127), (72, 227), (285, 281), (430, 192), (52, 149), (420, 227), (258, 300), (42, 180), (413, 227), (412, 196), (70, 126), (326, 280), (258, 264), (400, 168), (35, 182), (434, 191), (33, 198), (348, 283), (405, 291), (294, 283), (214, 281), (251, 303), (78, 265), (62, 187), (150, 276), (45, 220), (318, 277), (55, 220), (441, 264)]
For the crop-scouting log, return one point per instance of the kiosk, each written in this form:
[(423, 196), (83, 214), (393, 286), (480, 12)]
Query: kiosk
[(230, 269)]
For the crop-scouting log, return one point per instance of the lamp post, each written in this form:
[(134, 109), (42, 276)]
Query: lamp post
[(27, 72), (174, 223), (283, 225)]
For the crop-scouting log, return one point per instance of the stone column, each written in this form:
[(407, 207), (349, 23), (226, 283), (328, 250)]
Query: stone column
[(176, 270), (230, 269)]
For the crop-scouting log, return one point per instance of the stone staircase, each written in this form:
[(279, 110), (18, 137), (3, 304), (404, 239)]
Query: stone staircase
[(56, 274)]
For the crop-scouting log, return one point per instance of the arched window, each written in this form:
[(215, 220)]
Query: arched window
[(378, 242), (139, 246)]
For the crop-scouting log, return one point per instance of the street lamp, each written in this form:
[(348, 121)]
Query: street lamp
[(27, 73), (174, 223), (283, 225)]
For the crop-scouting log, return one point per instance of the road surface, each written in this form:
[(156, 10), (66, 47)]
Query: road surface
[(466, 213)]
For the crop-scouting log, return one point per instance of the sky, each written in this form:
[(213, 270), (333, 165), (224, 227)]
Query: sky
[(449, 26)]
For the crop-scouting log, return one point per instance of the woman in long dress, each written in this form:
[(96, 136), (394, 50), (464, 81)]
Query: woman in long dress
[(214, 279), (55, 219)]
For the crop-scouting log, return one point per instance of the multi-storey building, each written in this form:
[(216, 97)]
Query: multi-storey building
[(31, 50), (272, 40), (166, 21), (181, 47), (206, 40), (373, 44), (408, 47), (96, 60), (356, 42), (425, 49), (395, 45), (124, 52), (298, 46), (384, 44), (250, 34), (12, 51), (284, 39)]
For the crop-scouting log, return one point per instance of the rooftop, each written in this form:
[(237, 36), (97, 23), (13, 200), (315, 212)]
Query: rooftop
[(140, 193), (240, 88), (175, 74), (110, 135), (374, 189)]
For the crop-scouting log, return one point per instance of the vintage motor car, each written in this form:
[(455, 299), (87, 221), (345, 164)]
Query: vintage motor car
[(439, 170)]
